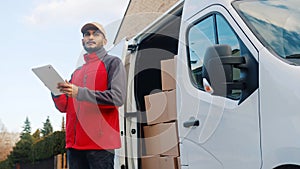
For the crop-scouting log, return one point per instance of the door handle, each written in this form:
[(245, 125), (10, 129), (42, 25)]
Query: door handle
[(191, 122)]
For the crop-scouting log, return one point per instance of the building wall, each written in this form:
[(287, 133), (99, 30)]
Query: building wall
[(139, 14)]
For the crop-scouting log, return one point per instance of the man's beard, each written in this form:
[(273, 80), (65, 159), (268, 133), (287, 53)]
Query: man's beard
[(91, 50)]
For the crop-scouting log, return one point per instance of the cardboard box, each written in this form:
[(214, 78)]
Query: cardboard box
[(156, 162), (161, 107), (162, 139), (168, 74)]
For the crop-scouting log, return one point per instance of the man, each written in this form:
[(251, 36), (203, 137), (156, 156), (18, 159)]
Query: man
[(91, 100)]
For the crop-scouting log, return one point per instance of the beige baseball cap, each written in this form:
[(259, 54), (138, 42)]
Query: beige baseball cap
[(93, 25)]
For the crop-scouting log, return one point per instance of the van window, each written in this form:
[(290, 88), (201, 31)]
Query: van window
[(275, 24), (214, 29)]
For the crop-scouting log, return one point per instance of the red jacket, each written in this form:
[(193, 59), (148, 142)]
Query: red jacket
[(92, 117)]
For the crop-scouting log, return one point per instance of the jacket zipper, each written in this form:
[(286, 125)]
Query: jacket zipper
[(78, 109)]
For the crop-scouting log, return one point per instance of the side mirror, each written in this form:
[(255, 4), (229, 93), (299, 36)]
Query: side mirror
[(218, 70), (218, 65)]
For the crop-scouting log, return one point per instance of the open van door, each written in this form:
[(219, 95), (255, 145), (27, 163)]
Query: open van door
[(120, 50), (217, 90)]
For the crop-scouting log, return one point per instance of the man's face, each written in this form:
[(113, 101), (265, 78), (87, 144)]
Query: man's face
[(93, 40)]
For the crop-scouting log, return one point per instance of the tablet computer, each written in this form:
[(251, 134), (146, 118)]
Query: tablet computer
[(49, 76)]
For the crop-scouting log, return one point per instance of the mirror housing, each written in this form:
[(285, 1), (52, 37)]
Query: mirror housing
[(218, 65)]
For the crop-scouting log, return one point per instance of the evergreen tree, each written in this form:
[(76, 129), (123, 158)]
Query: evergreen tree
[(26, 128), (21, 152), (47, 129)]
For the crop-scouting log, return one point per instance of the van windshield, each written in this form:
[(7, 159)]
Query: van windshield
[(275, 23)]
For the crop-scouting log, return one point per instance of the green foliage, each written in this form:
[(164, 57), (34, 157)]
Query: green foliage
[(33, 148), (49, 146), (22, 151), (26, 127), (6, 164), (47, 129), (28, 151)]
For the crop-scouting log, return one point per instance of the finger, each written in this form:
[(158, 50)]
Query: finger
[(69, 90), (66, 85), (63, 90), (59, 85), (67, 82)]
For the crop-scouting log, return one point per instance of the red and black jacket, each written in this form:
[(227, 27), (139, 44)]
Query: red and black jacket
[(92, 117)]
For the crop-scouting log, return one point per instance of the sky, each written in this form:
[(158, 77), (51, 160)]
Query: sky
[(41, 32)]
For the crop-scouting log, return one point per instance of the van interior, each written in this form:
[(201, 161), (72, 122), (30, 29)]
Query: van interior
[(156, 46)]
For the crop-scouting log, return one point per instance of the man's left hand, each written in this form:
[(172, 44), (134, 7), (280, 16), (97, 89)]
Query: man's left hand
[(68, 88)]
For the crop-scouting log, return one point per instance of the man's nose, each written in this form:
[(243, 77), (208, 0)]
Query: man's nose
[(91, 36)]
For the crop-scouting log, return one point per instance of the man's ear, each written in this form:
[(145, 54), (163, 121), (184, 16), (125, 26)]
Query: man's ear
[(104, 42), (82, 42)]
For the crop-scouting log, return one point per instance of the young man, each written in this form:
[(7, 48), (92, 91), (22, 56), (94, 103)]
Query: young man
[(91, 100)]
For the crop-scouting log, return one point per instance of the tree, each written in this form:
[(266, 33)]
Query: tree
[(22, 151), (3, 142), (26, 128), (36, 135), (7, 141), (47, 129)]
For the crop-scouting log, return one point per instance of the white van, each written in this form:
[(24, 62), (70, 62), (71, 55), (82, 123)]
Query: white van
[(237, 83)]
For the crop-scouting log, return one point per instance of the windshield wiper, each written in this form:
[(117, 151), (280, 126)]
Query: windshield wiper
[(293, 56)]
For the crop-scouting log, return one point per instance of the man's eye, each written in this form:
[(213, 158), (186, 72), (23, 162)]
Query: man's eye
[(97, 33), (87, 34)]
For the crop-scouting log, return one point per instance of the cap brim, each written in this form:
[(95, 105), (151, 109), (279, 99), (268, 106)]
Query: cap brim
[(88, 26)]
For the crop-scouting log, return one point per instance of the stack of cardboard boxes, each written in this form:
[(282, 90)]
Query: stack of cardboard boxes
[(161, 133)]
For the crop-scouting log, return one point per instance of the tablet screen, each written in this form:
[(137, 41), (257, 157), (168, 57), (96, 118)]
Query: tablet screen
[(49, 76)]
